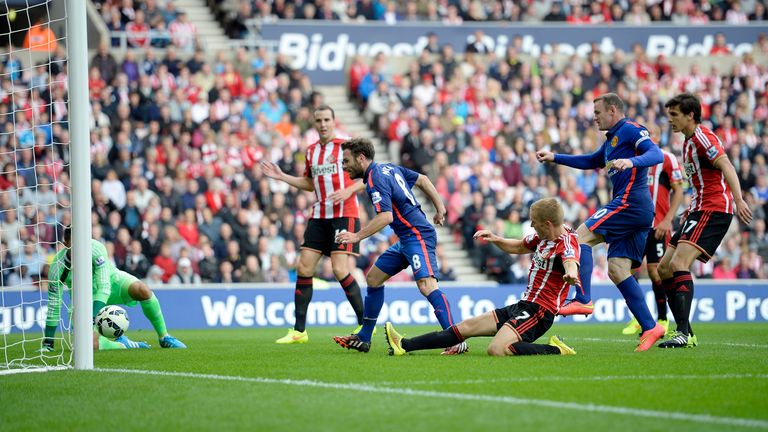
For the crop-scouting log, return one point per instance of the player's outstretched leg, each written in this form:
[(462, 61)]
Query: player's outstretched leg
[(169, 341), (129, 344), (394, 340), (557, 341)]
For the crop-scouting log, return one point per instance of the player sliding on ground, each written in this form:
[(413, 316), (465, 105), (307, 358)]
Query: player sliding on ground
[(555, 266), (389, 188), (110, 287)]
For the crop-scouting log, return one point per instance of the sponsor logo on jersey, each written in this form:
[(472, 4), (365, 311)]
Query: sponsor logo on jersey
[(539, 262), (614, 141), (376, 197), (325, 169), (690, 170)]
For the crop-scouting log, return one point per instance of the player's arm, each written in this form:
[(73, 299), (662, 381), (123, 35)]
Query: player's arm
[(53, 315), (511, 246), (347, 192), (571, 276), (742, 208), (271, 170), (675, 199), (586, 161), (649, 154), (377, 223), (101, 283), (429, 190)]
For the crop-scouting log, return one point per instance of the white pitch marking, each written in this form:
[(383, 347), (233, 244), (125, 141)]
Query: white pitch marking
[(747, 345), (572, 378), (633, 412)]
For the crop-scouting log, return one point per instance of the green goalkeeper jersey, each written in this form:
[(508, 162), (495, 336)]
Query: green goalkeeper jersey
[(60, 278)]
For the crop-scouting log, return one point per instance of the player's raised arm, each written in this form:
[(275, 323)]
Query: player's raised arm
[(742, 208), (511, 246), (429, 190), (271, 170)]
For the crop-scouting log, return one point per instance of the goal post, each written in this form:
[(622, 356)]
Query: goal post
[(44, 181)]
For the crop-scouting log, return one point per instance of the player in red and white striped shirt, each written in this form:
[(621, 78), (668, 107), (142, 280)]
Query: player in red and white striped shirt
[(665, 182), (336, 210), (555, 266), (716, 193)]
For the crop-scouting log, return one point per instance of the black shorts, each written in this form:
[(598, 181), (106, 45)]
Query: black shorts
[(654, 248), (320, 235), (529, 320), (704, 230)]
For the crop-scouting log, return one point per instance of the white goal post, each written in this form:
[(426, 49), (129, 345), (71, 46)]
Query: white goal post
[(45, 180)]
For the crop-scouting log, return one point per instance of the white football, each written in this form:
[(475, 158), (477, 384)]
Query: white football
[(112, 321)]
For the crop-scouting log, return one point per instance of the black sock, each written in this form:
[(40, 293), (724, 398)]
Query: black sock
[(525, 348), (301, 298), (439, 339), (669, 291), (352, 290), (661, 299), (683, 298)]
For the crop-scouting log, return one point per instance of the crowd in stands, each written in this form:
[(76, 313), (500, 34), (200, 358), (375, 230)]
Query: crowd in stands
[(235, 14), (178, 194), (146, 23), (474, 122)]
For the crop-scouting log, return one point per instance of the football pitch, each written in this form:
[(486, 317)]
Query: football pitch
[(241, 380)]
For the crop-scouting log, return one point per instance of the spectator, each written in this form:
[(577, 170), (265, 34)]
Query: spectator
[(185, 274)]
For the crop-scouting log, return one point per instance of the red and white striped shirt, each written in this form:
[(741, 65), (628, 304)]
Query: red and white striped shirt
[(545, 277), (661, 177), (324, 167), (710, 191)]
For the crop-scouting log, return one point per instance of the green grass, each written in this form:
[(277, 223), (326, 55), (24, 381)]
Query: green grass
[(319, 386)]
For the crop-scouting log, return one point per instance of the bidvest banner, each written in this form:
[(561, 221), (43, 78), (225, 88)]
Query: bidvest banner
[(321, 49), (250, 306)]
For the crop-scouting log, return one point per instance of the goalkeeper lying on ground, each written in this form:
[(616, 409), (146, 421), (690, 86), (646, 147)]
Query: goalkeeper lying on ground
[(110, 287)]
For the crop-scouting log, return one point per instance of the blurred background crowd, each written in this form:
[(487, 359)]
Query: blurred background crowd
[(176, 140)]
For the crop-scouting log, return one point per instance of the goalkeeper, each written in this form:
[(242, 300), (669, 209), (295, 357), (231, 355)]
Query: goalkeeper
[(110, 287)]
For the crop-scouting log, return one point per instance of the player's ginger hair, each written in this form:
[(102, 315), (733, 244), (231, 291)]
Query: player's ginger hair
[(360, 146), (548, 209)]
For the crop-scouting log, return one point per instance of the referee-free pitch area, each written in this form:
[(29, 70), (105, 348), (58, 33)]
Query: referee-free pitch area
[(240, 380)]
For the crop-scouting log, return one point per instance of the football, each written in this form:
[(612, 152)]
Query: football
[(112, 321)]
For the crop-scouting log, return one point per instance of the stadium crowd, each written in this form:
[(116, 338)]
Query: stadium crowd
[(473, 124), (235, 14), (178, 195)]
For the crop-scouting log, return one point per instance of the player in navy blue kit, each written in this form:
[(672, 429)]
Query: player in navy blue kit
[(389, 187), (624, 222)]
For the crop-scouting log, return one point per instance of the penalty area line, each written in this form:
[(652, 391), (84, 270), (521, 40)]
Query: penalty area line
[(367, 388)]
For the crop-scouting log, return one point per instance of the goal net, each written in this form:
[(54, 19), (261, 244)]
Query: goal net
[(35, 193)]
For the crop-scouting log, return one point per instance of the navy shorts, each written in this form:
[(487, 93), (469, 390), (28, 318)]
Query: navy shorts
[(624, 227), (419, 254)]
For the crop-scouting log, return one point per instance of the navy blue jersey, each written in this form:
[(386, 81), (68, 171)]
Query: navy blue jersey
[(621, 143), (389, 187)]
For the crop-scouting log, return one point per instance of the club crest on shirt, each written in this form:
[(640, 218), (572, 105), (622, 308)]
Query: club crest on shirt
[(614, 141)]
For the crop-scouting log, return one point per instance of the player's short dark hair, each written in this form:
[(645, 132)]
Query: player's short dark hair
[(359, 146), (686, 103), (325, 108), (611, 99)]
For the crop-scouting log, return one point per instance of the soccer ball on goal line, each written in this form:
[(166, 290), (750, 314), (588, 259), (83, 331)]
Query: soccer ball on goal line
[(112, 321)]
